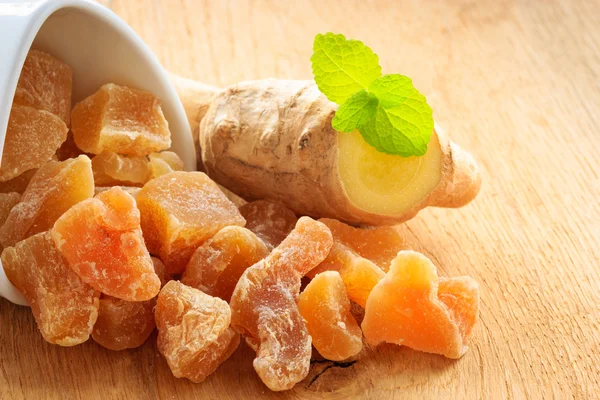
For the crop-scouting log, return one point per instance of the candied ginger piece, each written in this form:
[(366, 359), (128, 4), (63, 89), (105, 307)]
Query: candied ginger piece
[(7, 202), (407, 308), (193, 331), (112, 169), (65, 308), (271, 222), (54, 188), (217, 265), (45, 83), (359, 274), (32, 137), (379, 245), (164, 163), (461, 296), (264, 310), (179, 212), (121, 120), (123, 324), (325, 307), (133, 191), (102, 241), (69, 149)]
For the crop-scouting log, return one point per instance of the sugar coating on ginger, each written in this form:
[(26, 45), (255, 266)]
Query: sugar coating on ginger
[(217, 265), (193, 331), (179, 212), (122, 120), (271, 222), (46, 84), (325, 307), (123, 324), (32, 137), (64, 306), (54, 189), (418, 311), (264, 307), (103, 243)]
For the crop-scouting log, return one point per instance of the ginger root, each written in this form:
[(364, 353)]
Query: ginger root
[(272, 139)]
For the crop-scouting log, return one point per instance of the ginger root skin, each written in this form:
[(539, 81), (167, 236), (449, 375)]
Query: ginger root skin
[(272, 139)]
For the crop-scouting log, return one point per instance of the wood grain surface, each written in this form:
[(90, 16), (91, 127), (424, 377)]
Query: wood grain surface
[(515, 82)]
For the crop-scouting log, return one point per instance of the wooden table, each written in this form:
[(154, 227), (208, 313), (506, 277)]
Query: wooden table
[(515, 82)]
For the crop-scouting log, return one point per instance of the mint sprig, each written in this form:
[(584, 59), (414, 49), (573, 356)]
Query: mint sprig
[(388, 111)]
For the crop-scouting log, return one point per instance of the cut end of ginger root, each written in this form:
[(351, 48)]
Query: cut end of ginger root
[(387, 184)]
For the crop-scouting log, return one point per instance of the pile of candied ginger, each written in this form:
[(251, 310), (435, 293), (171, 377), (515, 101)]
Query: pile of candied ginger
[(106, 236)]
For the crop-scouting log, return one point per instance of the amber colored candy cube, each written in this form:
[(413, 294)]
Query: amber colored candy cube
[(217, 265), (407, 308), (123, 324), (121, 120), (179, 212), (45, 83), (54, 188), (164, 163), (112, 169), (264, 310), (65, 308), (32, 137), (102, 241), (193, 331), (379, 244), (359, 274), (325, 307), (271, 222)]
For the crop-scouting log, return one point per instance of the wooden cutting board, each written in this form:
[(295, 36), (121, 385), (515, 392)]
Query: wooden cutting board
[(516, 83)]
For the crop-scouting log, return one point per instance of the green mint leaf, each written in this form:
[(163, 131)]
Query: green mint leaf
[(401, 130), (404, 120), (355, 112), (341, 67), (393, 89)]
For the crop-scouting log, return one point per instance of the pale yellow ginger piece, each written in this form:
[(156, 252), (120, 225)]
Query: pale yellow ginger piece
[(112, 169), (163, 163)]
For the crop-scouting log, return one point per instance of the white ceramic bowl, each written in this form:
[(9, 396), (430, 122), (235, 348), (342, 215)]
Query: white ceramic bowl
[(100, 48)]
